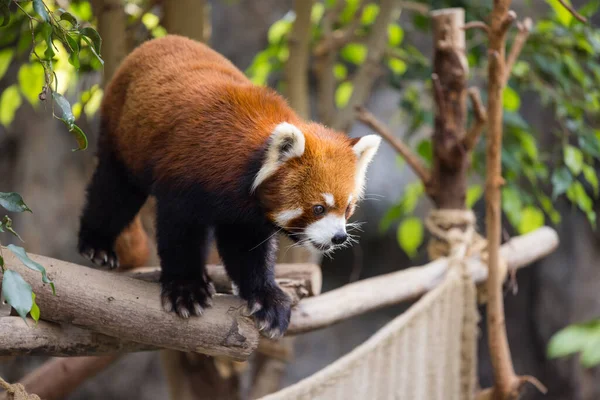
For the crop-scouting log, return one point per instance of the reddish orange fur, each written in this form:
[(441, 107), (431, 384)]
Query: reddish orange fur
[(181, 109)]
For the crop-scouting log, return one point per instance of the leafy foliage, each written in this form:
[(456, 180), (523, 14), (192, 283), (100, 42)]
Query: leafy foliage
[(578, 338)]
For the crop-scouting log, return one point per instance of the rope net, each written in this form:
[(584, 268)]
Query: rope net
[(428, 352)]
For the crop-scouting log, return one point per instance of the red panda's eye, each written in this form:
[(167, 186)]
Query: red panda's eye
[(318, 209)]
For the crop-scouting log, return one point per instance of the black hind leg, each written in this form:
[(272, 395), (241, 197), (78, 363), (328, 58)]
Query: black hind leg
[(112, 203)]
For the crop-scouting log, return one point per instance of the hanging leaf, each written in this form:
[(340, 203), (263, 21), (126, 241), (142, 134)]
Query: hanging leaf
[(354, 53), (35, 309), (29, 263), (343, 93), (395, 35), (10, 101), (70, 18), (13, 202), (561, 180), (94, 37), (6, 57), (6, 224), (40, 8), (589, 173), (410, 235), (17, 293), (65, 107), (511, 100), (4, 15), (82, 141), (531, 219), (573, 159), (571, 339)]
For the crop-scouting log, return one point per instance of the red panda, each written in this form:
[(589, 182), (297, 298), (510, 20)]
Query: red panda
[(224, 158)]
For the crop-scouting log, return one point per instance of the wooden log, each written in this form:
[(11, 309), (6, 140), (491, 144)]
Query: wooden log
[(349, 301), (130, 309), (409, 284), (18, 338)]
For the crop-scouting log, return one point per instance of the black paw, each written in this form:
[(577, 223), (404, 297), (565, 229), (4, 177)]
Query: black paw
[(100, 256), (187, 297), (271, 309)]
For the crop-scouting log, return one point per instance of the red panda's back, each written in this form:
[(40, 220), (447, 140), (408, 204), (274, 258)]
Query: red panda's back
[(154, 103)]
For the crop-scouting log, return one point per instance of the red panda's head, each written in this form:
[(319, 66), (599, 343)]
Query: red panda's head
[(310, 181)]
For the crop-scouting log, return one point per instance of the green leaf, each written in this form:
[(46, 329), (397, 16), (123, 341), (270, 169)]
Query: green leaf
[(410, 235), (343, 93), (354, 53), (512, 205), (6, 57), (573, 159), (40, 9), (31, 81), (395, 35), (511, 100), (13, 202), (548, 207), (569, 340), (369, 14), (561, 180), (340, 71), (73, 45), (47, 33), (589, 173), (82, 141), (93, 46), (391, 216), (1, 263), (397, 66), (6, 224), (577, 194), (35, 309), (10, 101), (562, 14), (94, 37), (278, 30), (29, 263), (425, 150), (4, 15), (67, 114), (150, 21), (590, 144), (316, 13), (17, 293), (532, 218), (473, 195), (590, 355), (70, 18)]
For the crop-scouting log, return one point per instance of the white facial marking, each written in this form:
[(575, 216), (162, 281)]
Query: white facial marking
[(284, 217), (364, 149), (286, 142), (329, 200), (321, 231), (349, 199)]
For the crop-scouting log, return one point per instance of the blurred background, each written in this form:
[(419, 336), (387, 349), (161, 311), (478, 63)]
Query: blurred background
[(550, 158)]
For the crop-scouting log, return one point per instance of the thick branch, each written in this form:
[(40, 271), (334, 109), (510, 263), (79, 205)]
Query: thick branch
[(130, 309), (367, 73), (473, 134), (573, 11), (357, 298), (296, 67), (517, 46), (409, 156)]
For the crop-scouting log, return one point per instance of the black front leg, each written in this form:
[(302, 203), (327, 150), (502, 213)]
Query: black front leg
[(183, 244), (249, 257)]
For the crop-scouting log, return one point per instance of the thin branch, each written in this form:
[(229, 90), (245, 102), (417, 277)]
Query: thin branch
[(477, 25), (517, 46), (474, 132), (334, 40), (409, 156), (573, 11), (508, 20), (414, 6)]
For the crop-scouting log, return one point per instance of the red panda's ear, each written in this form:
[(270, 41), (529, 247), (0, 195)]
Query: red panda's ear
[(286, 142), (364, 148)]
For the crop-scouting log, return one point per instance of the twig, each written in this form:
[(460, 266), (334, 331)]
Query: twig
[(409, 156), (474, 132), (477, 25), (519, 42), (414, 6), (573, 11), (334, 40)]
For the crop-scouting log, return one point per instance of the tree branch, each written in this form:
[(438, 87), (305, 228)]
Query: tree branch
[(473, 134), (409, 156), (524, 29), (477, 25), (573, 11)]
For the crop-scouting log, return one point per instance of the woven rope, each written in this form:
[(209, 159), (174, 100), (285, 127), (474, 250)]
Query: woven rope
[(454, 231), (17, 391)]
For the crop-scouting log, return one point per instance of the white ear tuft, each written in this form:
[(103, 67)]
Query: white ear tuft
[(286, 142), (365, 149)]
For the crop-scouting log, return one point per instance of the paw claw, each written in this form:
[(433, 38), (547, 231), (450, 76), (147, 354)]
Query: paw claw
[(186, 297), (272, 312)]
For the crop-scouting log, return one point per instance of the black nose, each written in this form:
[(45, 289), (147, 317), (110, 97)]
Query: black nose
[(339, 238)]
